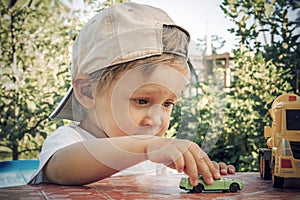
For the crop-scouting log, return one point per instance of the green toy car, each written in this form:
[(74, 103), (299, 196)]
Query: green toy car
[(224, 184)]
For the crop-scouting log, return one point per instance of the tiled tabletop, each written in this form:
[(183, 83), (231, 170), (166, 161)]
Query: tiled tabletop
[(151, 187)]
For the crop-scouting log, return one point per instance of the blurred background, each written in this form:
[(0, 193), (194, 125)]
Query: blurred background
[(243, 53)]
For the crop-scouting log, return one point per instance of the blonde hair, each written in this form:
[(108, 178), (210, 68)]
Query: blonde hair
[(105, 77)]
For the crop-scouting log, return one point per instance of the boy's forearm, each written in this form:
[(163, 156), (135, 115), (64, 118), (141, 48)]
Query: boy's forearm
[(119, 152), (92, 160)]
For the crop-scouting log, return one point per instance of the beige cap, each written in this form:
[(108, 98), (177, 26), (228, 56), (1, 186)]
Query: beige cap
[(119, 34)]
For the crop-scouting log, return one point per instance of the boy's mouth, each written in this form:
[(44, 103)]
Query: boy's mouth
[(146, 131)]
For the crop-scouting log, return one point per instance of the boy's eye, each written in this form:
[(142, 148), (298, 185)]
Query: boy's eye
[(141, 101), (146, 102), (168, 104)]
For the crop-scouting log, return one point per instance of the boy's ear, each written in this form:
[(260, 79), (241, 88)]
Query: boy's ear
[(84, 90)]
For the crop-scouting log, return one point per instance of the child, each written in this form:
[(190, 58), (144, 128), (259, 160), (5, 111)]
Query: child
[(128, 69)]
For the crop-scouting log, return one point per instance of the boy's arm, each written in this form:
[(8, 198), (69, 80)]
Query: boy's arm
[(92, 160)]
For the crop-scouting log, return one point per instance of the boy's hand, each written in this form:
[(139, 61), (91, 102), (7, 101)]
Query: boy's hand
[(224, 169), (183, 155)]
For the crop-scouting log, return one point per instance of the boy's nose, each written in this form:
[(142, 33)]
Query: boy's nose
[(156, 116)]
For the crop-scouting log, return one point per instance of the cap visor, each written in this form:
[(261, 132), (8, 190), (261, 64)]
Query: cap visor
[(65, 107)]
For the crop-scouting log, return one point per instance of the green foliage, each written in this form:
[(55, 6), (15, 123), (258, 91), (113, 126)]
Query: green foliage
[(34, 72), (228, 123), (263, 70), (257, 83)]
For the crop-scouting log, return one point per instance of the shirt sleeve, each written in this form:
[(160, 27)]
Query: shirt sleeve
[(62, 137)]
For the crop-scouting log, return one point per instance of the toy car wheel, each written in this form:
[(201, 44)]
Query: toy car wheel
[(198, 188), (234, 187)]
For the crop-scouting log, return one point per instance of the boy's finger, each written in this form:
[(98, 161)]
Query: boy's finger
[(204, 169), (231, 169), (179, 164), (204, 166), (223, 168), (214, 170), (191, 168), (216, 164)]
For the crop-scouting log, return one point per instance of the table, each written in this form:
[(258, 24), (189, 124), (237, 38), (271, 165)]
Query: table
[(152, 187)]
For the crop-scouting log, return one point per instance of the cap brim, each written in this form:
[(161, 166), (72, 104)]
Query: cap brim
[(66, 108)]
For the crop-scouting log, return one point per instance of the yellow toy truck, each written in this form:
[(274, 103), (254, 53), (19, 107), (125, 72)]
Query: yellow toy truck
[(282, 157)]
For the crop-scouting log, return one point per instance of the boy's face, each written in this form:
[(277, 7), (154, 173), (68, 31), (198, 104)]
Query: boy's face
[(140, 103)]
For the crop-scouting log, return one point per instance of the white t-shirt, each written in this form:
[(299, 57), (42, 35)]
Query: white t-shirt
[(67, 135)]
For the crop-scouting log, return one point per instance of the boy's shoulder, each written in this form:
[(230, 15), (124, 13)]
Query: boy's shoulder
[(70, 132), (64, 130)]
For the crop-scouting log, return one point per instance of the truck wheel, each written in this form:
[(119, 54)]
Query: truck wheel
[(234, 187), (264, 168), (277, 181), (198, 188)]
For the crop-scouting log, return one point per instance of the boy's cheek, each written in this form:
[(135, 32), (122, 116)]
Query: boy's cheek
[(164, 129)]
